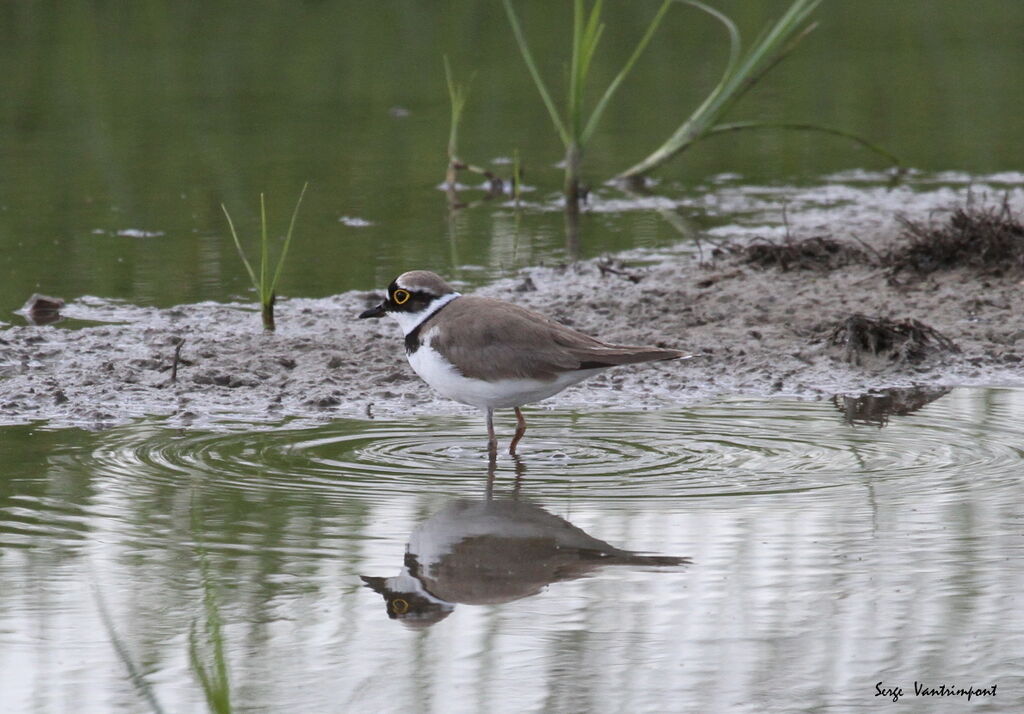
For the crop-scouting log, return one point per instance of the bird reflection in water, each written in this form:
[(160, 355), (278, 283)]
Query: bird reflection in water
[(492, 551)]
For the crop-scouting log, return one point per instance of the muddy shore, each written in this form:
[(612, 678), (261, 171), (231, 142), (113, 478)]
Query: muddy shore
[(754, 330)]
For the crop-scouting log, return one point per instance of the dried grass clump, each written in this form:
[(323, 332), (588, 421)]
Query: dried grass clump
[(989, 239), (816, 253), (895, 340)]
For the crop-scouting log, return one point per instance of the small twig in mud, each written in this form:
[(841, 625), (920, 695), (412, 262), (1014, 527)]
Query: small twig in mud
[(685, 226), (870, 249), (897, 340), (495, 184), (718, 249), (608, 266), (988, 239), (177, 359)]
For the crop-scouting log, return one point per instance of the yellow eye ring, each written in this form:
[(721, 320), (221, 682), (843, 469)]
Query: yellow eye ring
[(399, 605), (401, 297)]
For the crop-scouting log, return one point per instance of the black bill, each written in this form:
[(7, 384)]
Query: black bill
[(373, 312)]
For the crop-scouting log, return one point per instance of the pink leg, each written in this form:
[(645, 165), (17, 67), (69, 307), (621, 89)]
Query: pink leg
[(520, 430)]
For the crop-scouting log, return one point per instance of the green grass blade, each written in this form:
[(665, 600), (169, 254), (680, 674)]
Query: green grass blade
[(454, 90), (735, 41), (288, 238), (602, 104), (220, 662), (238, 245), (198, 667), (215, 685), (457, 96), (138, 680), (771, 48), (776, 43), (591, 38), (586, 38), (453, 99), (524, 50), (575, 85), (214, 679), (799, 126), (735, 51), (265, 293)]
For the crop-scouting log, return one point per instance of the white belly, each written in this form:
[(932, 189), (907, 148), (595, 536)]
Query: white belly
[(500, 394)]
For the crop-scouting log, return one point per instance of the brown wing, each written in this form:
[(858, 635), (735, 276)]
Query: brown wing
[(492, 339)]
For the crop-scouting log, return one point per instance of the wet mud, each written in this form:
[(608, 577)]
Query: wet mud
[(756, 327)]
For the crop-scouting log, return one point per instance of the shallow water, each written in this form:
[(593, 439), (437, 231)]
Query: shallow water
[(826, 554), (170, 109)]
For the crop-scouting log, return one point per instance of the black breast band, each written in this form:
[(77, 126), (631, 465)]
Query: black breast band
[(412, 340)]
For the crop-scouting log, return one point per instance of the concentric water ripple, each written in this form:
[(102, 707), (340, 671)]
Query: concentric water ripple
[(969, 437), (799, 520)]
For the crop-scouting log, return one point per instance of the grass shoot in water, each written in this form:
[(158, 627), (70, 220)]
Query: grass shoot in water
[(457, 95), (213, 677), (573, 129), (135, 673), (266, 283)]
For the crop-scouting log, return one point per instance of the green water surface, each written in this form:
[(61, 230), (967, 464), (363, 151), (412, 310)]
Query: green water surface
[(146, 116)]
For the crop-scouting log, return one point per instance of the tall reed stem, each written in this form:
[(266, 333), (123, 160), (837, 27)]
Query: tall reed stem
[(573, 162), (574, 128)]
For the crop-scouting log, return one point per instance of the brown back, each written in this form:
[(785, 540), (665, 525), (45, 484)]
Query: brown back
[(492, 339)]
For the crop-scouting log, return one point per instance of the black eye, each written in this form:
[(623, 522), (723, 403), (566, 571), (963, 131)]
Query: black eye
[(400, 297)]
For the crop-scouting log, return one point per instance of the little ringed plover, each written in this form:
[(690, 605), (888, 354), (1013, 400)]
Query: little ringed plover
[(492, 354)]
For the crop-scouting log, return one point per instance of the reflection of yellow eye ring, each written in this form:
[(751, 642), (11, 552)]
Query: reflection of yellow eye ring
[(401, 297), (399, 605)]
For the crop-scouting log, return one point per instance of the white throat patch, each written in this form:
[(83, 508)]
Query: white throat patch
[(409, 321)]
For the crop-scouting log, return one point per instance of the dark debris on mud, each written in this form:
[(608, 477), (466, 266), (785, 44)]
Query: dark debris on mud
[(816, 253), (989, 239), (42, 309), (612, 266), (896, 340)]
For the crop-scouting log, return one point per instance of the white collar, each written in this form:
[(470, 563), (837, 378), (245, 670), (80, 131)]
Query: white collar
[(409, 321)]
